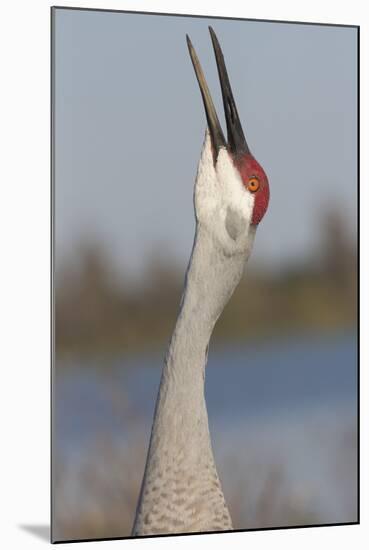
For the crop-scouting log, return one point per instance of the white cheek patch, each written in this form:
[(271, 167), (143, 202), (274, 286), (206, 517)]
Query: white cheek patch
[(222, 203), (233, 192)]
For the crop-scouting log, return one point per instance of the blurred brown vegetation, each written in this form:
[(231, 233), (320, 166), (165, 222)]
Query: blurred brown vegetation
[(98, 314), (95, 493)]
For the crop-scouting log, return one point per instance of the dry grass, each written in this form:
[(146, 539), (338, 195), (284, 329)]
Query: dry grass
[(97, 499)]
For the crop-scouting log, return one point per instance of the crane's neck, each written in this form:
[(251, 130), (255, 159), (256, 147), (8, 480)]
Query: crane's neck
[(210, 281), (180, 456)]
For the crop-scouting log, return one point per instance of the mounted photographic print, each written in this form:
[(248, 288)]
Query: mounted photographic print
[(205, 193)]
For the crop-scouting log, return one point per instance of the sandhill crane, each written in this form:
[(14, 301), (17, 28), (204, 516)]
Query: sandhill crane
[(181, 491)]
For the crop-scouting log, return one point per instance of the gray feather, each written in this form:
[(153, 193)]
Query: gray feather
[(235, 224)]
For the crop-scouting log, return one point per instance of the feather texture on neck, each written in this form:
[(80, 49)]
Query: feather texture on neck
[(181, 491)]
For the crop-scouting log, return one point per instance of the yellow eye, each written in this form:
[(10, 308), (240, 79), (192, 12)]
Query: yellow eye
[(253, 184)]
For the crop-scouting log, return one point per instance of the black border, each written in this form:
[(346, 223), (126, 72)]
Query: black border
[(52, 257)]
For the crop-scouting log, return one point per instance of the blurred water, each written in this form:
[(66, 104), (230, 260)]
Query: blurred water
[(292, 402), (242, 384)]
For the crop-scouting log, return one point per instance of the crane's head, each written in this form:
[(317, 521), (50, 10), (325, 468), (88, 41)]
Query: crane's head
[(232, 189)]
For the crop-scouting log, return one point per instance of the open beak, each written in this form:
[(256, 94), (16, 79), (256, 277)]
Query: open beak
[(237, 144)]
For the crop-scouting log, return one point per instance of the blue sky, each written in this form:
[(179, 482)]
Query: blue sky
[(130, 125)]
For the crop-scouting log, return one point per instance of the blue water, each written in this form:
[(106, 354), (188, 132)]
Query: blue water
[(291, 403), (242, 383)]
